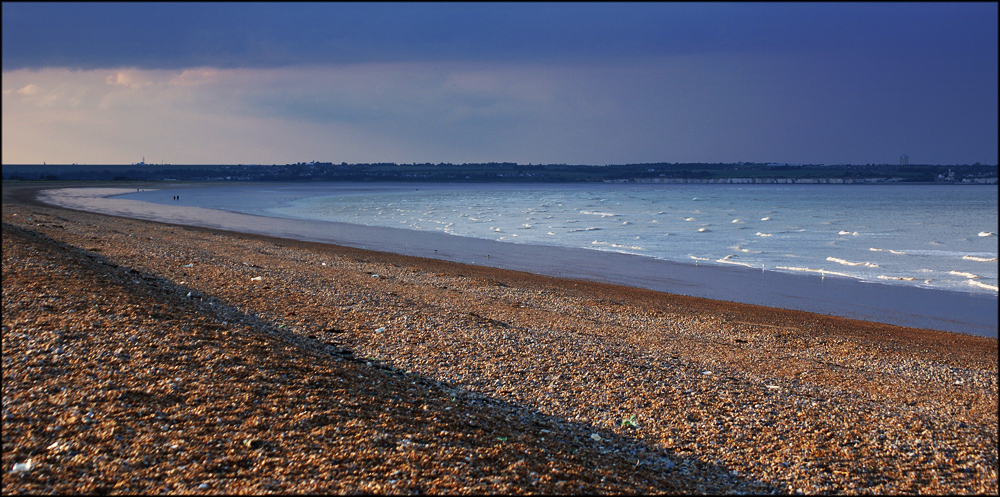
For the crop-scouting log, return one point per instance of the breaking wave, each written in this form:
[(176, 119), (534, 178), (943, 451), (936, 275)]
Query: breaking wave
[(617, 245), (984, 285), (849, 263), (810, 270), (897, 252), (964, 274), (728, 260), (979, 259)]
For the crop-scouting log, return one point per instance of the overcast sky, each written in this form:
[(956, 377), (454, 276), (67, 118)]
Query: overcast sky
[(531, 83)]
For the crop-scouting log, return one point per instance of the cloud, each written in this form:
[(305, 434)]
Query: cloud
[(195, 77), (681, 108), (36, 90), (432, 108), (585, 83), (128, 78), (29, 89)]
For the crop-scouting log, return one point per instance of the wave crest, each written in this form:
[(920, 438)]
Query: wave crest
[(978, 259)]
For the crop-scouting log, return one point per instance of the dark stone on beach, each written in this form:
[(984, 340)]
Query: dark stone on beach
[(254, 443)]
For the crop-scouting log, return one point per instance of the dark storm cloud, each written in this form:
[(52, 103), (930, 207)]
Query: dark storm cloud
[(476, 82), (226, 35)]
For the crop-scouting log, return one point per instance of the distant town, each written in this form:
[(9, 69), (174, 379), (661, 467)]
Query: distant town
[(660, 172)]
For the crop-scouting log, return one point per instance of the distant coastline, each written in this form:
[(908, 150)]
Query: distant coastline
[(509, 172)]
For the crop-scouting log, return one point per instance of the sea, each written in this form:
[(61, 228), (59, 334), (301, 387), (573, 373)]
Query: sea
[(931, 236)]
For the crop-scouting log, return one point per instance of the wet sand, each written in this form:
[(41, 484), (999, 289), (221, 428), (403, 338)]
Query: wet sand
[(149, 357), (966, 312)]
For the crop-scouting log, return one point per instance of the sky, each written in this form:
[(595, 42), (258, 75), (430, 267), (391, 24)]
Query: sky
[(574, 83)]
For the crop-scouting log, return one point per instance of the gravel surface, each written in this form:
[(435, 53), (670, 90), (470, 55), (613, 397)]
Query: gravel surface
[(145, 357)]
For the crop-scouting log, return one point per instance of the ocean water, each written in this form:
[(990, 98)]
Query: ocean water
[(942, 237)]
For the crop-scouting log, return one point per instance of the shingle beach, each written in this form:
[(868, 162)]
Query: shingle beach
[(142, 357)]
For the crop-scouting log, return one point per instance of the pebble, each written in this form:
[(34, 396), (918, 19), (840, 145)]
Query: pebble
[(570, 356)]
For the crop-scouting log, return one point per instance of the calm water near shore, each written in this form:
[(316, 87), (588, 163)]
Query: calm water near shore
[(929, 236)]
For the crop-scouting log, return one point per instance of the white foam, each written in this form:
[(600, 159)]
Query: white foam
[(630, 247), (700, 258), (736, 221), (727, 260), (702, 230), (617, 245), (810, 270), (765, 218), (689, 219), (843, 232), (764, 234), (979, 259), (983, 285), (849, 263), (884, 277), (897, 252), (964, 274)]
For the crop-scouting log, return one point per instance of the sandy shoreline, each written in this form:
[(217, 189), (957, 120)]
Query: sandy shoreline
[(149, 357), (966, 312)]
